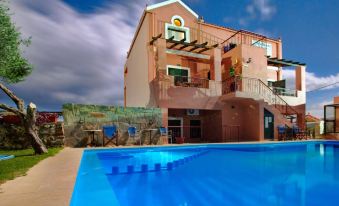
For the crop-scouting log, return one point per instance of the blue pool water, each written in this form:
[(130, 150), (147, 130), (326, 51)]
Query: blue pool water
[(283, 174), (6, 157)]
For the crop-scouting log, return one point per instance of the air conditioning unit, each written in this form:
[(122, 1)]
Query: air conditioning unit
[(193, 112)]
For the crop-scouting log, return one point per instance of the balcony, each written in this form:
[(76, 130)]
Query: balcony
[(186, 92)]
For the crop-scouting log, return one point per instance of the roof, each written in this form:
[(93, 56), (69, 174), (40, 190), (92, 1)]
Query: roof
[(311, 118), (165, 3)]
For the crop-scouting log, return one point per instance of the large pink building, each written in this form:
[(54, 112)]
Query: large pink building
[(213, 83)]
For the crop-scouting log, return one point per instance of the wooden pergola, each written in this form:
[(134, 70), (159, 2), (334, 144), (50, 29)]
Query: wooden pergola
[(192, 46), (273, 61)]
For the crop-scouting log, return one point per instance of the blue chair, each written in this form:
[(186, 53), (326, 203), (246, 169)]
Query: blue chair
[(282, 132), (164, 132), (133, 133), (109, 133)]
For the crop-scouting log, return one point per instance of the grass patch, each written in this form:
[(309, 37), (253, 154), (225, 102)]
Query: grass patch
[(23, 160)]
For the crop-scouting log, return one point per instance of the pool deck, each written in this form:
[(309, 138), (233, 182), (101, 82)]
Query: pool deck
[(50, 182)]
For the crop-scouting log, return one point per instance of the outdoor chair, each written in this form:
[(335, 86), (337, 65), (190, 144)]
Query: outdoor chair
[(164, 132), (281, 132), (109, 133), (299, 133), (133, 133)]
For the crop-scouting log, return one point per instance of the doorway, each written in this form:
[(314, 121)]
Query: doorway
[(268, 125), (175, 127), (195, 129)]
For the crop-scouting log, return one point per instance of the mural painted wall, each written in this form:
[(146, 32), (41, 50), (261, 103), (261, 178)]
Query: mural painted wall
[(79, 117)]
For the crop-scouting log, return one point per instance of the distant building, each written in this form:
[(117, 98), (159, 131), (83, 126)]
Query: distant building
[(213, 83), (314, 126)]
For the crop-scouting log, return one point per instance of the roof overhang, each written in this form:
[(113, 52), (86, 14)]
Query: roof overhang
[(282, 62), (165, 3)]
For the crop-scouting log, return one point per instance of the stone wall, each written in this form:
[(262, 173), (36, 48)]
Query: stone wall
[(78, 117), (13, 136)]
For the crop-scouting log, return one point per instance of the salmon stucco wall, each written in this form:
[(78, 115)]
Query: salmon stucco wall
[(136, 80)]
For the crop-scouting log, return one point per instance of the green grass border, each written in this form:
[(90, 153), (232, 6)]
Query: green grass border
[(21, 163)]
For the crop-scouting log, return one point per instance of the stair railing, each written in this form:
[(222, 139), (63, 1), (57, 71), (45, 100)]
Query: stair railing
[(257, 89)]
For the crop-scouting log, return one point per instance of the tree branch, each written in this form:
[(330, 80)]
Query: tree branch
[(11, 109), (19, 102)]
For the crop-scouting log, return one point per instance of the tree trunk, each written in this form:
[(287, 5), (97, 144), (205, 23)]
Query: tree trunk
[(31, 129), (28, 119)]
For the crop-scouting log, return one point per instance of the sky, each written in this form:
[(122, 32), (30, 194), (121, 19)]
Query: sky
[(79, 47)]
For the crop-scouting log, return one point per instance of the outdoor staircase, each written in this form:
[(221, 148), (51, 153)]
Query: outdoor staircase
[(259, 91)]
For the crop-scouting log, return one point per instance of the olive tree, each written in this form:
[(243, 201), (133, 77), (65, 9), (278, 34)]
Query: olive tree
[(13, 69)]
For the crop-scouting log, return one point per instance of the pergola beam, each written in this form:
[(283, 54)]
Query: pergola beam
[(154, 39)]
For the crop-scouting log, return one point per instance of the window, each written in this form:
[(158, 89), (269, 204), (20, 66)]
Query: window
[(180, 74), (177, 30), (178, 34), (263, 45)]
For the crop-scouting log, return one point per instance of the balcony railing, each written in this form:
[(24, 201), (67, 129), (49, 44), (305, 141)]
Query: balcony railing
[(243, 37), (184, 81), (257, 89), (284, 92)]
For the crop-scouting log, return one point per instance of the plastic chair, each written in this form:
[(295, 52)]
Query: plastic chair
[(133, 133), (164, 132)]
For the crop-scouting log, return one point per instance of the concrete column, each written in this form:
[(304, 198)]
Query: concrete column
[(300, 78), (161, 56), (216, 52), (164, 112)]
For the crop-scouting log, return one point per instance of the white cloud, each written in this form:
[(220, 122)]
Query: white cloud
[(263, 9), (317, 108), (317, 99), (77, 57), (312, 80)]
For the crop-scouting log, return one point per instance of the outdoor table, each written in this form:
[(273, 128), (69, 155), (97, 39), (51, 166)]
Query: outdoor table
[(93, 131), (150, 134)]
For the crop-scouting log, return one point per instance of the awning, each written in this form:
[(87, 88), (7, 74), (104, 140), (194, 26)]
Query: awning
[(282, 62)]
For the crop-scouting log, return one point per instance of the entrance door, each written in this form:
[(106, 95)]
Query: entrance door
[(268, 125), (195, 128), (175, 127)]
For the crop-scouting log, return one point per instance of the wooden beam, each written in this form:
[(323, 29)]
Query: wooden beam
[(207, 48), (154, 39), (177, 42), (197, 46), (170, 39), (188, 44)]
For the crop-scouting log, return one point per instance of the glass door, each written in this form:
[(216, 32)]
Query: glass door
[(268, 125)]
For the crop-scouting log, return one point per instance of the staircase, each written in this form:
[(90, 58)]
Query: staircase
[(257, 90)]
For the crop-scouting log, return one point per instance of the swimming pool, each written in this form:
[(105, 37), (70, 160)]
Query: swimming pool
[(281, 174), (6, 157)]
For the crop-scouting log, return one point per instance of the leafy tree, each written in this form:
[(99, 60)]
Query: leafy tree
[(13, 69)]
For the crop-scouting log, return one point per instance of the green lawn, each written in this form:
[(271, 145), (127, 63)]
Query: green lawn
[(24, 159)]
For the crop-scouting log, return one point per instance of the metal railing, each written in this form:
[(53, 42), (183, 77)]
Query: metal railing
[(243, 37), (285, 92), (258, 90), (195, 35), (185, 81)]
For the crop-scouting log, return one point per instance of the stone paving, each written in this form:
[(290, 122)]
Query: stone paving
[(50, 182)]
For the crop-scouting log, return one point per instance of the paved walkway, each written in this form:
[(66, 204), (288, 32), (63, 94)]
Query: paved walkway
[(50, 182)]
